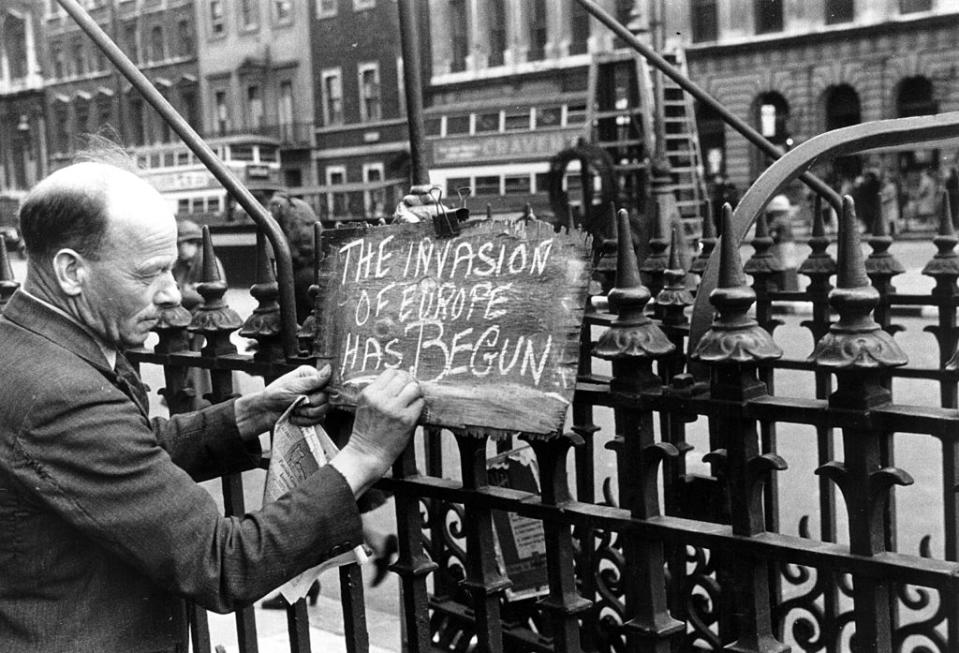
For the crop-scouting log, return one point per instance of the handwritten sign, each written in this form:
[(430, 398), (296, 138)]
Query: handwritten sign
[(488, 321)]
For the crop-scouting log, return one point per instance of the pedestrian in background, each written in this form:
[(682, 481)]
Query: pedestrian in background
[(889, 202)]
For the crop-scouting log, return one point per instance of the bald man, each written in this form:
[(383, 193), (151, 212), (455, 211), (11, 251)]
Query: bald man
[(103, 528)]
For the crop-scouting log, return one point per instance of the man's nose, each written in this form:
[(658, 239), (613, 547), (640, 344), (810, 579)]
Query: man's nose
[(168, 294)]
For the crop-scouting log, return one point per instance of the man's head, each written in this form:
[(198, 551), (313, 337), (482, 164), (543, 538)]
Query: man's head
[(101, 244)]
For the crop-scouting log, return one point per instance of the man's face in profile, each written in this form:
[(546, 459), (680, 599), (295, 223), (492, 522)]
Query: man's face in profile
[(132, 280)]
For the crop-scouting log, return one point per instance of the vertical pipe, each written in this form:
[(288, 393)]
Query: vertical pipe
[(413, 87)]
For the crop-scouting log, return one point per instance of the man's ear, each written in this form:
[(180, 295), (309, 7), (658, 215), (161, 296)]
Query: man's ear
[(71, 271)]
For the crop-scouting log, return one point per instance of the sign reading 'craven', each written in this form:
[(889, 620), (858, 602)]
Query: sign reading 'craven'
[(487, 321)]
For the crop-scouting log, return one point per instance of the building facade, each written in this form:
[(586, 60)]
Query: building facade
[(509, 90), (22, 121), (362, 144), (797, 69), (256, 88)]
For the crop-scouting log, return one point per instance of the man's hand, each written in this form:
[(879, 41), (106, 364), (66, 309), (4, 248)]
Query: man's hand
[(386, 413), (258, 412)]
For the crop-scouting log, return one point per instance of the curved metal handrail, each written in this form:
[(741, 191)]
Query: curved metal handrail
[(839, 142), (262, 217)]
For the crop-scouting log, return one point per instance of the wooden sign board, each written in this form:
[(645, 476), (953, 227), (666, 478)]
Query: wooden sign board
[(488, 321)]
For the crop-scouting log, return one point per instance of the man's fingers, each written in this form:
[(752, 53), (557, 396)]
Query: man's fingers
[(409, 393)]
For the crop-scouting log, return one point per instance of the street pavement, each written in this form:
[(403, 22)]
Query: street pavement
[(797, 484)]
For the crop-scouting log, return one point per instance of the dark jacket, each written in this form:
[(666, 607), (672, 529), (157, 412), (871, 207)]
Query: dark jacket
[(103, 528)]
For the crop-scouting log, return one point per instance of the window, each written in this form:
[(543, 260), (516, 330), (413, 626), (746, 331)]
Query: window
[(517, 120), (79, 59), (157, 51), (401, 85), (197, 205), (768, 16), (336, 202), (284, 110), (486, 186), (183, 158), (517, 185), (911, 6), (268, 154), (548, 117), (217, 23), (369, 78), (496, 19), (188, 105), (839, 11), (705, 21), (537, 30), (104, 112), (542, 181), (241, 153), (184, 32), (82, 112), (131, 42), (15, 37), (221, 109), (254, 106), (458, 36), (579, 29), (457, 185), (360, 5), (332, 97), (57, 56), (432, 126), (575, 114), (62, 128), (135, 115), (183, 206), (374, 199), (457, 125), (325, 8), (249, 17), (282, 12), (487, 122)]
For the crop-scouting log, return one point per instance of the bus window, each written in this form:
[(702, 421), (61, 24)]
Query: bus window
[(268, 154), (517, 184), (168, 159), (454, 185), (183, 206), (197, 205), (183, 158), (241, 152), (155, 160), (487, 185), (213, 205)]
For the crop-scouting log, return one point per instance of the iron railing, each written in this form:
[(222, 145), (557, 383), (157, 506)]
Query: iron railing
[(709, 565)]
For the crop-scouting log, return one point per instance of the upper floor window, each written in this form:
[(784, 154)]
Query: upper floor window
[(705, 23), (537, 30), (254, 105), (768, 15), (157, 49), (284, 110), (369, 78), (359, 5), (184, 32), (282, 12), (911, 6), (130, 41), (579, 29), (221, 110), (79, 58), (56, 54), (332, 97), (458, 34), (217, 20), (496, 19), (325, 8), (249, 16), (840, 11), (14, 40)]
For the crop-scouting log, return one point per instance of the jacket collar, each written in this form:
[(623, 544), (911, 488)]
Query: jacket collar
[(33, 315)]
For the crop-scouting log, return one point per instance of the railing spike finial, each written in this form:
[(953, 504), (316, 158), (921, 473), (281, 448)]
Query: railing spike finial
[(210, 270), (730, 263), (707, 241), (627, 270), (946, 227), (673, 299), (819, 265), (735, 337), (263, 325), (852, 267)]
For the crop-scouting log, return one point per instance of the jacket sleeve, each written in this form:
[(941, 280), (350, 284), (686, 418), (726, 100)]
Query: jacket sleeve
[(90, 456), (206, 443)]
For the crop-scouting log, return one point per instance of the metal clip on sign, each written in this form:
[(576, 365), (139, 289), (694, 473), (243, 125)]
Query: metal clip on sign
[(444, 225)]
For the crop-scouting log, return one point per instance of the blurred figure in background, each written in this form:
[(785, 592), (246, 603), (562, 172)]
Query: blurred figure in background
[(927, 197), (889, 202), (296, 218), (952, 189), (779, 216)]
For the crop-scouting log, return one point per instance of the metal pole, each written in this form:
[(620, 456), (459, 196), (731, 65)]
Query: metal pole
[(693, 89), (413, 86), (262, 217)]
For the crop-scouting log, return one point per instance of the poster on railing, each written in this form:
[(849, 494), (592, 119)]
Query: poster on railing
[(488, 321), (520, 541)]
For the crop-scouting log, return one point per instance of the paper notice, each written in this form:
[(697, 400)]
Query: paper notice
[(298, 452)]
